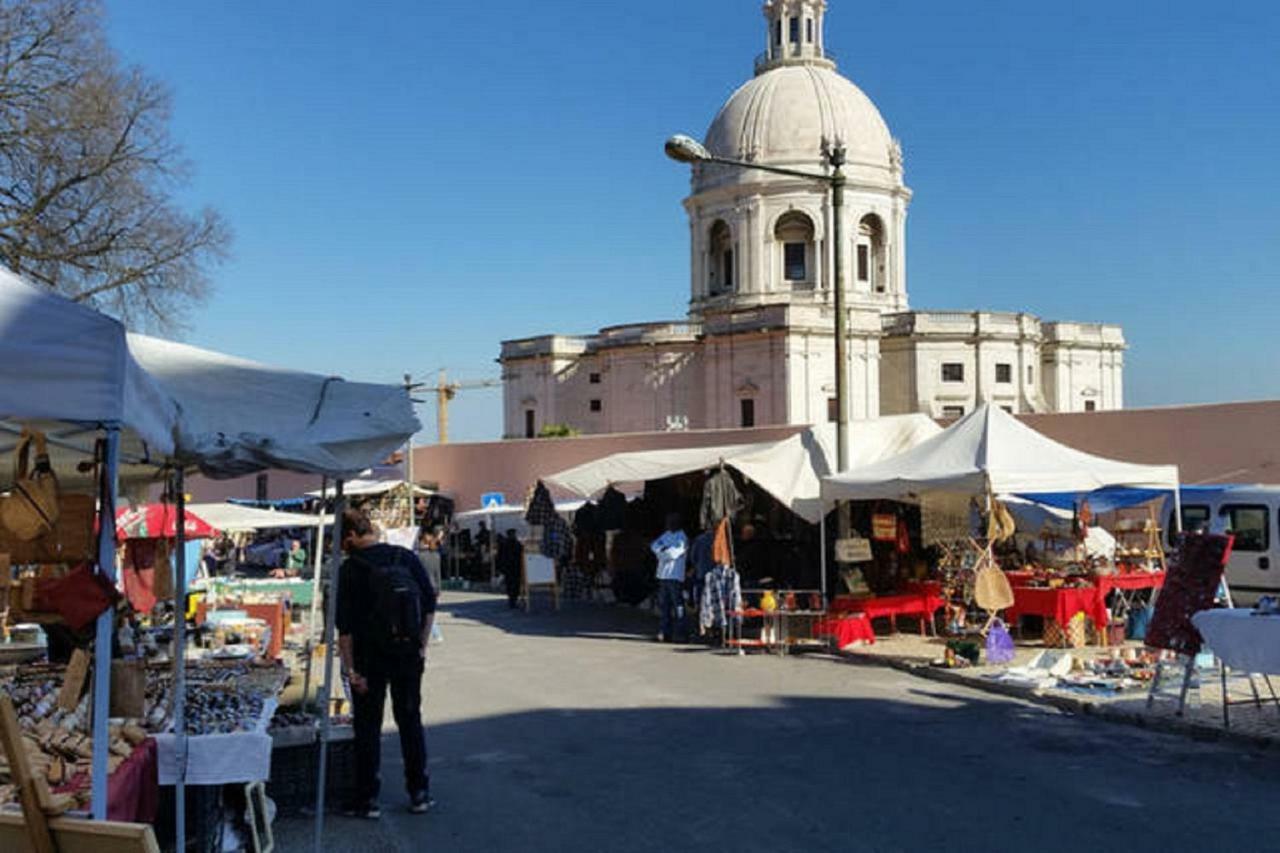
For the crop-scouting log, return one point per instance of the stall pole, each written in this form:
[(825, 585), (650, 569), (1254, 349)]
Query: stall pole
[(180, 658), (318, 563), (106, 622), (822, 540), (1177, 508), (330, 614)]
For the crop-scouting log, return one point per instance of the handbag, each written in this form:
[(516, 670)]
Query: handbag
[(80, 597), (31, 510), (1000, 647)]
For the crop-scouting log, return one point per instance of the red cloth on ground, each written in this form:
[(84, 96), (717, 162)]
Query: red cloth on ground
[(1059, 604), (846, 630)]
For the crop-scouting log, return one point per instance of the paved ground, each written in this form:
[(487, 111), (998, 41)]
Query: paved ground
[(572, 732)]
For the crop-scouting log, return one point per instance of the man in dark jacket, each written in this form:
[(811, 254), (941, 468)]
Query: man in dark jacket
[(381, 590), (511, 566)]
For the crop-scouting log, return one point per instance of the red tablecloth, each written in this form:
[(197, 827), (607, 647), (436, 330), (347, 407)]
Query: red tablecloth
[(907, 604), (133, 791), (847, 629), (1130, 580), (1059, 604)]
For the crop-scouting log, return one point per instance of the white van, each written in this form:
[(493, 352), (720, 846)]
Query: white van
[(1252, 513)]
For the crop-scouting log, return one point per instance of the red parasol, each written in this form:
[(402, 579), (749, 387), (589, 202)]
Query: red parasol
[(159, 521)]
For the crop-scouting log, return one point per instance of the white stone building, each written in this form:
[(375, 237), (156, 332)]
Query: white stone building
[(758, 345)]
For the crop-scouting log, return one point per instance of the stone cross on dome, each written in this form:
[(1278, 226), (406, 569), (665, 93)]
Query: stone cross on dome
[(795, 35)]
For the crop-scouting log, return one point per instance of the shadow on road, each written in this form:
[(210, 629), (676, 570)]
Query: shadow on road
[(926, 770), (573, 619)]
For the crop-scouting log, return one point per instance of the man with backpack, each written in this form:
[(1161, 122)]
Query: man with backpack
[(386, 606)]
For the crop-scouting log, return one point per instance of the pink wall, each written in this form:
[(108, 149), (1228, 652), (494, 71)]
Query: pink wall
[(466, 471), (1228, 442)]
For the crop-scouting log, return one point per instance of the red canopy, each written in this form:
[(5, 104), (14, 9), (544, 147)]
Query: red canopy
[(159, 521)]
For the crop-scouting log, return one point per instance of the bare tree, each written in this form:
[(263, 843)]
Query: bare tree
[(88, 171)]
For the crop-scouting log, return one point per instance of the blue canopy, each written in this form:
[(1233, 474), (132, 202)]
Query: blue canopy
[(1116, 497)]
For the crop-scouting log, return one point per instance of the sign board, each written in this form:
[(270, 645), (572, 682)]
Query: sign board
[(493, 500), (884, 527), (853, 550), (539, 570)]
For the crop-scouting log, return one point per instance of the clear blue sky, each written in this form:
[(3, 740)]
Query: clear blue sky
[(410, 184)]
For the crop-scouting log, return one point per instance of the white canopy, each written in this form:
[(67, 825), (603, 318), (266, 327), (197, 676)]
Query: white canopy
[(372, 488), (991, 449), (790, 469), (60, 361), (238, 416), (229, 517)]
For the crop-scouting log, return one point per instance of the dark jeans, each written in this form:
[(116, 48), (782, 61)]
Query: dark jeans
[(512, 583), (405, 680), (670, 608)]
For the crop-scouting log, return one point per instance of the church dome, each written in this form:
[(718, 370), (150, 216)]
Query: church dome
[(790, 115)]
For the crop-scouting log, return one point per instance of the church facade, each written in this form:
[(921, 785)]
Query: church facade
[(758, 346)]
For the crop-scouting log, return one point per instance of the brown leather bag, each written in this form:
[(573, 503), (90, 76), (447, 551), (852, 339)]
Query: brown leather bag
[(31, 510)]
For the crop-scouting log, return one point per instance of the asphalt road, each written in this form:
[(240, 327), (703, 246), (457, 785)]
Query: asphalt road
[(575, 732)]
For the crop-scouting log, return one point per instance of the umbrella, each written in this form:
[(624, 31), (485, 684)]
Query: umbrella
[(159, 521)]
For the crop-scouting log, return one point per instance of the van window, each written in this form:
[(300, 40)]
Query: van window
[(1251, 524), (1194, 517)]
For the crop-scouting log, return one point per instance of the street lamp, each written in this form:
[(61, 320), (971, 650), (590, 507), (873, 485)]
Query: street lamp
[(685, 149)]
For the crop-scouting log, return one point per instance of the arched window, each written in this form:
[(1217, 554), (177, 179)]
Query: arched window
[(795, 232), (720, 266), (869, 255)]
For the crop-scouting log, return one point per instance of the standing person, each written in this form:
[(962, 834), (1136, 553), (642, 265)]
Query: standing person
[(297, 562), (386, 607), (670, 549), (511, 565)]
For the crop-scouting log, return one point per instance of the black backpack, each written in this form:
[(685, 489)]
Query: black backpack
[(397, 618)]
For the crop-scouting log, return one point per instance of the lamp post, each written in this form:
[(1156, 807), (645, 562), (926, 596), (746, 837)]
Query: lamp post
[(685, 149)]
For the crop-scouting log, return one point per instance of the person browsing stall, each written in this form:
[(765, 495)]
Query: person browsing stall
[(386, 606), (670, 548)]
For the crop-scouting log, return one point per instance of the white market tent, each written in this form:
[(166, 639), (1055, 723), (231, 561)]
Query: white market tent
[(989, 450), (238, 416), (229, 517), (790, 470), (77, 376), (361, 488)]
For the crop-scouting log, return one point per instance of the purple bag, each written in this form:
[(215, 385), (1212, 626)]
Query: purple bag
[(999, 644)]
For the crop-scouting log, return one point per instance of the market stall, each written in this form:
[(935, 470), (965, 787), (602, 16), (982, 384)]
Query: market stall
[(770, 494), (956, 480), (115, 409)]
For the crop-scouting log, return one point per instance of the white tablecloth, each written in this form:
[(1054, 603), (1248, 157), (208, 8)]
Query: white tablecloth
[(1242, 641), (220, 759)]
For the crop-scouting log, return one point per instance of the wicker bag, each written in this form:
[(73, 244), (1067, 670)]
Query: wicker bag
[(31, 510)]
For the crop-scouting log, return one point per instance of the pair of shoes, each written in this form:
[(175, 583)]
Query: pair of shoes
[(421, 803), (364, 811)]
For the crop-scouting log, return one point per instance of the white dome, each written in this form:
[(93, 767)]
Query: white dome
[(791, 114)]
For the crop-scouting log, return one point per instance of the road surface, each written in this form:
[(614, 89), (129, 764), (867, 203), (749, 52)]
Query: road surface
[(575, 732)]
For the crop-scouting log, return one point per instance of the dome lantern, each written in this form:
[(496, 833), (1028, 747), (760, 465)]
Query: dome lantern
[(795, 35)]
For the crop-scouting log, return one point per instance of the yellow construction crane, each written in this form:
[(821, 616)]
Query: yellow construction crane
[(446, 391)]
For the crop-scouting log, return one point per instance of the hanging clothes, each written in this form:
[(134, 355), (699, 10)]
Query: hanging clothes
[(721, 596), (720, 498), (557, 538), (612, 514), (721, 547), (141, 559)]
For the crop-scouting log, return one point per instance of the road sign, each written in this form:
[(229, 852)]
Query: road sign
[(493, 500)]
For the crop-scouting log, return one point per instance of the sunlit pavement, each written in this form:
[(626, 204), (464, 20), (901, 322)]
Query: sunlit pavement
[(575, 732)]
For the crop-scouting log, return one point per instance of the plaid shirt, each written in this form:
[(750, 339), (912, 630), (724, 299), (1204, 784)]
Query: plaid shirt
[(721, 596)]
